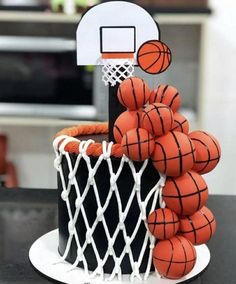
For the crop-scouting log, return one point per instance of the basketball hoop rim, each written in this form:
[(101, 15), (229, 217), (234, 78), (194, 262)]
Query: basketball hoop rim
[(117, 55)]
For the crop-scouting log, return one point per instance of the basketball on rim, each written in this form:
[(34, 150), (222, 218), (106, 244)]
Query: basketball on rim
[(174, 154), (121, 126), (154, 57), (138, 144)]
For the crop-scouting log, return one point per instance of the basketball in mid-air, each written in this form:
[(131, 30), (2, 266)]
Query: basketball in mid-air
[(154, 57)]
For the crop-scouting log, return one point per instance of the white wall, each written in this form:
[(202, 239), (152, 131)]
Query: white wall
[(219, 96)]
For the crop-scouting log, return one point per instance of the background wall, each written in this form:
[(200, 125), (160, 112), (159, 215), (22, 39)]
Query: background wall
[(30, 147), (219, 97)]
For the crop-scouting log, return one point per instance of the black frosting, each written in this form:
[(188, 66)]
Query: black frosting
[(125, 184)]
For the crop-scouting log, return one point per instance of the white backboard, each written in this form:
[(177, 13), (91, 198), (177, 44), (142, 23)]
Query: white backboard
[(125, 36), (115, 26)]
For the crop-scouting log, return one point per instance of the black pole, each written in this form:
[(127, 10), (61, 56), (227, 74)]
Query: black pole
[(115, 109)]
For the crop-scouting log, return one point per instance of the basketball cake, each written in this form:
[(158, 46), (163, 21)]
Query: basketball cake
[(131, 195)]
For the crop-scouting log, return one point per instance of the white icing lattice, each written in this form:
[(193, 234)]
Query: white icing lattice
[(152, 196), (116, 70)]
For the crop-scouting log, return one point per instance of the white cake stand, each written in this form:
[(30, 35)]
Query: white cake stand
[(44, 256)]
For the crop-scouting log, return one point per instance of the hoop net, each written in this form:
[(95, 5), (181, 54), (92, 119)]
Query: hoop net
[(70, 183), (116, 69)]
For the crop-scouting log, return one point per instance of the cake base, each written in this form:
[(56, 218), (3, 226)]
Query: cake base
[(44, 257)]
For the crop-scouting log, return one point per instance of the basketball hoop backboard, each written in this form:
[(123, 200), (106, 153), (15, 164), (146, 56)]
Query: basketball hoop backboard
[(113, 27), (126, 36)]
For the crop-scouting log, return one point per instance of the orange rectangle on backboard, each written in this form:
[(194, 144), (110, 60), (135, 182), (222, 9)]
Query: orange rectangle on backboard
[(117, 55)]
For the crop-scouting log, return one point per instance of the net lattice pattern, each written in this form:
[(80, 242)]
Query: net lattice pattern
[(71, 183), (116, 70)]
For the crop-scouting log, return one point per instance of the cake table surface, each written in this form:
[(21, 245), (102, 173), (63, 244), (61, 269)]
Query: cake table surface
[(27, 214)]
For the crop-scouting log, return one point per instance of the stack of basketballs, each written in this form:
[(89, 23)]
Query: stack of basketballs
[(152, 127)]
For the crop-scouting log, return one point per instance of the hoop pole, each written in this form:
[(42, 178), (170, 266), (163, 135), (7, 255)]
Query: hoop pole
[(115, 109)]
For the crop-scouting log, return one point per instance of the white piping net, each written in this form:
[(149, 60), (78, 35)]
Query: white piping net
[(70, 183), (116, 70)]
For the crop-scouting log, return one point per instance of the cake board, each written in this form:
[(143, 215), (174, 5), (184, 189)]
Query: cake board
[(45, 258)]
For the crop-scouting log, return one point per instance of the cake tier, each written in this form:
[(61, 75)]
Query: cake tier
[(120, 235)]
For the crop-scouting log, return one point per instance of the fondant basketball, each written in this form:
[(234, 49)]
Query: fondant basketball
[(185, 194), (163, 224), (133, 93), (154, 57), (157, 119), (198, 228), (180, 123), (167, 95), (208, 151), (138, 144), (174, 154), (126, 121), (174, 258)]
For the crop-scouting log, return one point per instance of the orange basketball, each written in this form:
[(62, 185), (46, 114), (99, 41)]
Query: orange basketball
[(138, 144), (133, 93), (163, 224), (157, 119), (126, 121), (185, 194), (166, 95), (174, 154), (180, 123), (200, 227), (174, 258), (208, 151), (154, 57)]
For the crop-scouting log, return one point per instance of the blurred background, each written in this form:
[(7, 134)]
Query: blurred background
[(42, 90)]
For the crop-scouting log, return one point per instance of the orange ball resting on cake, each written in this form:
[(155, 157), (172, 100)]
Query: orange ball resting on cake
[(208, 151), (163, 223), (154, 57), (126, 121), (180, 123), (167, 95), (185, 194), (133, 93), (174, 154), (157, 119), (174, 258), (138, 144), (200, 227)]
